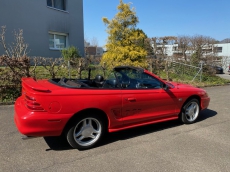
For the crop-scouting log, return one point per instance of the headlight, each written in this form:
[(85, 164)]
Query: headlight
[(205, 94)]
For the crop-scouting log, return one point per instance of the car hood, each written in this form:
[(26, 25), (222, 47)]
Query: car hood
[(180, 85)]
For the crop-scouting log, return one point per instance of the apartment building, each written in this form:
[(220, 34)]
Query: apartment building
[(48, 25), (221, 50)]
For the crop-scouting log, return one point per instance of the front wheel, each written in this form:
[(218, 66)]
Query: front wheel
[(190, 111), (85, 132)]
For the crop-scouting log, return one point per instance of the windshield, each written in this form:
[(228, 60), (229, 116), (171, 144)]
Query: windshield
[(133, 79)]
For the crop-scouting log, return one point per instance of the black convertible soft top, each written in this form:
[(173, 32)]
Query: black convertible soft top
[(139, 69)]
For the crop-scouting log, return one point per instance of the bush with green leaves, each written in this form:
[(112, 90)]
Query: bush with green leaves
[(71, 54)]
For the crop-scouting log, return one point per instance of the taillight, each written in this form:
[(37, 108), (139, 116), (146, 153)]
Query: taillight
[(32, 104)]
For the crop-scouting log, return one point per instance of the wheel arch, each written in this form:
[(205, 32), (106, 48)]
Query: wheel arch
[(190, 98), (181, 116), (193, 97), (97, 111)]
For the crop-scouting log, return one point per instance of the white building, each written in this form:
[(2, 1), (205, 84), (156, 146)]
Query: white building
[(221, 49), (100, 51)]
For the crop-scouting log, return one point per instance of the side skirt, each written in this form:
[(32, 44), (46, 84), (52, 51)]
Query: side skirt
[(142, 124)]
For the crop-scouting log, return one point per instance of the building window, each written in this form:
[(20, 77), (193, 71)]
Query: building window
[(218, 49), (174, 48), (59, 4), (57, 41)]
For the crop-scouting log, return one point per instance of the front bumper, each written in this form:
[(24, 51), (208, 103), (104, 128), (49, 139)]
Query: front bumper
[(205, 102), (38, 123)]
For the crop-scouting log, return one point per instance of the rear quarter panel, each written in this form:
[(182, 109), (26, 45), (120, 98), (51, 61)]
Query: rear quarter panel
[(71, 101)]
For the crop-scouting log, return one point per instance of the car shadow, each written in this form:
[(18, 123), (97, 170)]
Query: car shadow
[(57, 143), (60, 143), (139, 131), (205, 114)]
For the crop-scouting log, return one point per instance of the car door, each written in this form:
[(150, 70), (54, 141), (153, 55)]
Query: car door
[(146, 100)]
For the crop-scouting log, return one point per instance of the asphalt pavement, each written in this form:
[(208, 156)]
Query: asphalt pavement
[(169, 146), (225, 75)]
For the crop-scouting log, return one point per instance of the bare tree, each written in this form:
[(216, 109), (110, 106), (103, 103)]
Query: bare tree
[(158, 53), (152, 55), (94, 42), (183, 45), (226, 40), (19, 67), (147, 44), (166, 40), (83, 64), (86, 42), (52, 65), (202, 45), (3, 40), (160, 45), (18, 48), (15, 56)]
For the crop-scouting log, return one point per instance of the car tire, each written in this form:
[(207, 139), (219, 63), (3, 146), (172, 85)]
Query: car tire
[(86, 131), (190, 111)]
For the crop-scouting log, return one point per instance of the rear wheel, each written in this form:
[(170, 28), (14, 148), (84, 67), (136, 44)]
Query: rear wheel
[(86, 131), (190, 111)]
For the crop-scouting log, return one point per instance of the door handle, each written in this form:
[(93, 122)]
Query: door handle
[(131, 99)]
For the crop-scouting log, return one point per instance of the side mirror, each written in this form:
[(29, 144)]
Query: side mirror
[(165, 86)]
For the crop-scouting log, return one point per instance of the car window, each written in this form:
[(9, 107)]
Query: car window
[(137, 79), (112, 81), (145, 81)]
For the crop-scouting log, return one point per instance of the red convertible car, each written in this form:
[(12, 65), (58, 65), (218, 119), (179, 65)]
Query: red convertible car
[(83, 110)]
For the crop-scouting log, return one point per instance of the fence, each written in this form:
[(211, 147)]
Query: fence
[(9, 93), (185, 71)]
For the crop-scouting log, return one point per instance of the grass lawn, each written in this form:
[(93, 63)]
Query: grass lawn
[(206, 80)]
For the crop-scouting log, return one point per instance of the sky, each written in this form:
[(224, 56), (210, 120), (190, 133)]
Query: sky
[(162, 18)]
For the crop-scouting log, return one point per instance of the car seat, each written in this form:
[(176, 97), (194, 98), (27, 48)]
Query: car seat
[(99, 80)]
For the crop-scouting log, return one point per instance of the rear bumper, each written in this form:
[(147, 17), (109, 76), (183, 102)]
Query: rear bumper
[(38, 123)]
